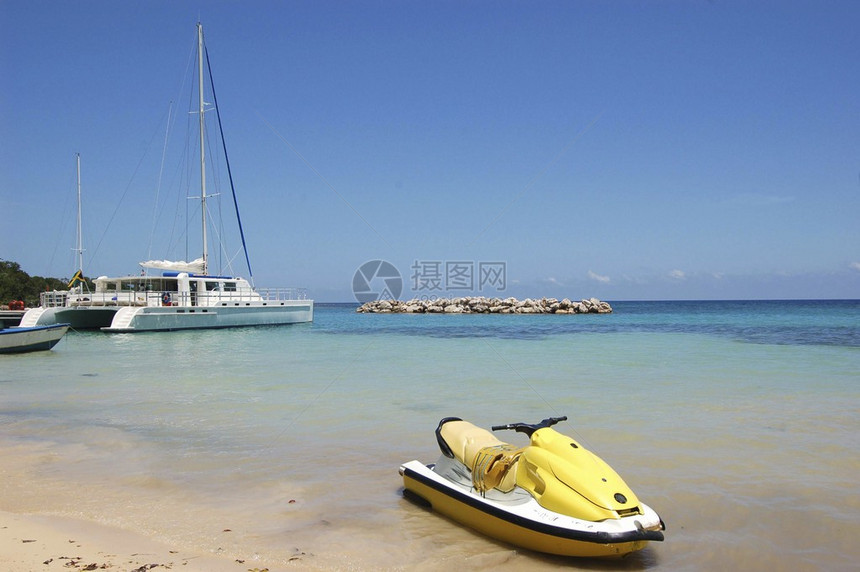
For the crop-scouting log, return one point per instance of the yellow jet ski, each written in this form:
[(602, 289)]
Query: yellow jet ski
[(552, 496)]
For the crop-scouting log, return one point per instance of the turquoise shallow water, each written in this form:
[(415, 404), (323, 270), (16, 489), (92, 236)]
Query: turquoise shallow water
[(737, 421)]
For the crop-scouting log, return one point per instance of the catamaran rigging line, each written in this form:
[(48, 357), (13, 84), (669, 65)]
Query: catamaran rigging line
[(160, 178), (229, 171), (203, 53), (202, 107)]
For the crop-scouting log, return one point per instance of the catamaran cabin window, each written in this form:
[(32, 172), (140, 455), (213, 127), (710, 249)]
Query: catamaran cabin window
[(212, 286), (229, 286)]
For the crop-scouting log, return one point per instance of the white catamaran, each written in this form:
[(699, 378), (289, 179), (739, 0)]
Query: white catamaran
[(185, 296)]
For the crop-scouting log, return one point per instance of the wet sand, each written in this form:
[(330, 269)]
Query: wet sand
[(44, 543)]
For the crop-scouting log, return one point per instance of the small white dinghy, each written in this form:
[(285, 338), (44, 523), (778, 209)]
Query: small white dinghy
[(20, 340)]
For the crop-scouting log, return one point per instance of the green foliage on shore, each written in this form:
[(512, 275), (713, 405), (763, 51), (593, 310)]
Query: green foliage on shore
[(15, 284)]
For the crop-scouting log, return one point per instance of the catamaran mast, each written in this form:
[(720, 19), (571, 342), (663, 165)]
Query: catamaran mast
[(79, 247), (202, 146)]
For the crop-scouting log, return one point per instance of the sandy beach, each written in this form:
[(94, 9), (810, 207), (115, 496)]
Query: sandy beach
[(42, 543)]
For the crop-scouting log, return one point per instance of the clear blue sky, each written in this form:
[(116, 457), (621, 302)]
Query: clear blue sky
[(622, 150)]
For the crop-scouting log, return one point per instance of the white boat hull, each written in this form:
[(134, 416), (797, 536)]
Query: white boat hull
[(232, 315), (78, 318), (143, 309), (20, 340)]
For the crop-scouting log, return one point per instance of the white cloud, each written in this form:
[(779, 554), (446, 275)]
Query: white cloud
[(598, 278), (855, 265), (677, 275)]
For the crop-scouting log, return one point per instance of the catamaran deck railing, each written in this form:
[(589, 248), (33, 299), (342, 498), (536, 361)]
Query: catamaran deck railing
[(53, 299), (174, 298)]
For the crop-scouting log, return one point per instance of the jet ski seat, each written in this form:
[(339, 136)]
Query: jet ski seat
[(492, 462)]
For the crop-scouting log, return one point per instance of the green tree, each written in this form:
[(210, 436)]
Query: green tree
[(15, 284)]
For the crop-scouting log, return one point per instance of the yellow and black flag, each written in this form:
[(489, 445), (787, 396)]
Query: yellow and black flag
[(78, 277)]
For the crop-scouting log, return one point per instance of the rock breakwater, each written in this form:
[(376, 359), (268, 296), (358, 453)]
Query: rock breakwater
[(482, 305)]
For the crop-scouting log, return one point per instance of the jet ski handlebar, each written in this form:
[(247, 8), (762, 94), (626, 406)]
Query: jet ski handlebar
[(529, 428)]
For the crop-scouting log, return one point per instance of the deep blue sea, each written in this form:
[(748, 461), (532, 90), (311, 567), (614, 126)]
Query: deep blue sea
[(738, 422)]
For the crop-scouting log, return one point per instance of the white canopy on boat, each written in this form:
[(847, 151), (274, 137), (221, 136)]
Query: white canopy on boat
[(178, 266)]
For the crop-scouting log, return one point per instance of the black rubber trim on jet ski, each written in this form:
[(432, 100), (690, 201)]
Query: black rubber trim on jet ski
[(443, 445), (595, 537)]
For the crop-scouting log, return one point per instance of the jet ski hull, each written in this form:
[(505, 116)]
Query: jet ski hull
[(518, 519)]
